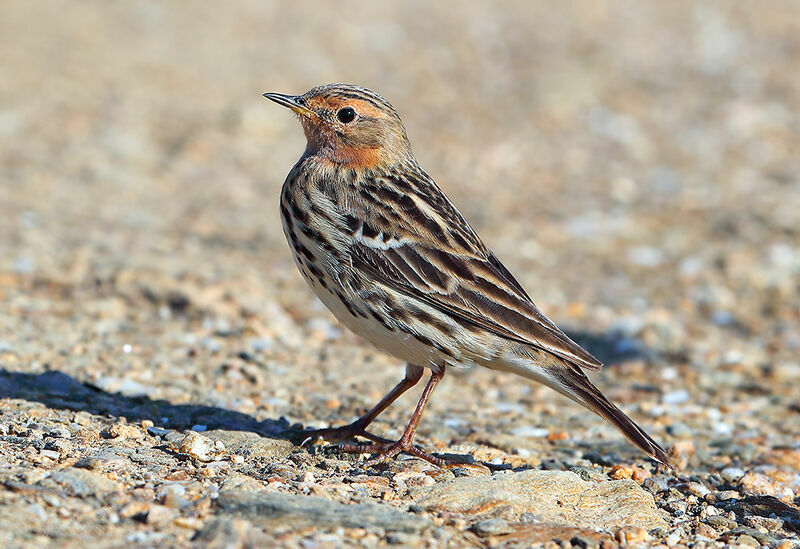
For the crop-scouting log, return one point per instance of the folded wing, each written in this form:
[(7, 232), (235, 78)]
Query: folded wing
[(439, 260)]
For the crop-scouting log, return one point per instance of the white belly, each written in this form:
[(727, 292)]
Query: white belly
[(398, 344)]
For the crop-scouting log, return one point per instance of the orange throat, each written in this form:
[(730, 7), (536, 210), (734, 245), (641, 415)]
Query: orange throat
[(357, 158)]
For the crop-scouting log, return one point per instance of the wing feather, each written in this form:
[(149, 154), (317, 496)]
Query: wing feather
[(451, 270)]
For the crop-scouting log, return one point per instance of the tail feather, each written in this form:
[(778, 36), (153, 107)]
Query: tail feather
[(577, 386)]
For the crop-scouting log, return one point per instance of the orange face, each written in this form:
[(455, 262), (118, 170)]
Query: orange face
[(342, 128)]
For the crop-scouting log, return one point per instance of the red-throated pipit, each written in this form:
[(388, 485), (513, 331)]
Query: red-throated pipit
[(393, 259)]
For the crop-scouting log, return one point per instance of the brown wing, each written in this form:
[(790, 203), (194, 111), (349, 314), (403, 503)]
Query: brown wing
[(438, 259)]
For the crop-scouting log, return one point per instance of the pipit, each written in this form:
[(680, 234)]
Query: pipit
[(393, 259)]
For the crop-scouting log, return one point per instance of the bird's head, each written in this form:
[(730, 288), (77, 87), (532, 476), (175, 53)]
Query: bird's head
[(349, 125)]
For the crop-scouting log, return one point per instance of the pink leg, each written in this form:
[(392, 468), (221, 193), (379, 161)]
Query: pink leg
[(388, 450), (358, 427)]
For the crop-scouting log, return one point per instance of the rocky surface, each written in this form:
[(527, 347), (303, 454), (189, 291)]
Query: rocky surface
[(634, 164), (550, 496)]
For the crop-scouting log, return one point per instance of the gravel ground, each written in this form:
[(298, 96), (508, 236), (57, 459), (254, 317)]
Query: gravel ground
[(635, 164)]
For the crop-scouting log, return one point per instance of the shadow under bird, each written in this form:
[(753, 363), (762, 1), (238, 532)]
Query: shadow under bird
[(393, 259)]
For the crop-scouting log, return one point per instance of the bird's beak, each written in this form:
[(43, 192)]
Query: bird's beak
[(293, 102)]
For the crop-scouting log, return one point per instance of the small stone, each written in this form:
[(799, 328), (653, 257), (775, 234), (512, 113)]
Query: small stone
[(748, 541), (82, 418), (679, 429), (59, 432), (147, 423), (440, 475), (91, 463), (191, 523), (134, 509), (159, 515), (720, 522), (52, 454), (175, 501), (676, 397), (122, 431), (414, 478), (157, 432), (724, 495), (251, 445), (760, 484), (732, 474), (215, 469), (81, 483), (770, 524), (170, 489), (584, 542), (637, 474), (237, 481), (307, 477), (60, 445), (555, 436), (706, 531), (655, 484), (200, 447), (632, 534), (529, 431), (694, 488), (227, 532), (492, 527)]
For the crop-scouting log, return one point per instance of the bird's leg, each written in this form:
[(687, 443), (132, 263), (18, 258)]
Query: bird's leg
[(358, 427), (388, 450)]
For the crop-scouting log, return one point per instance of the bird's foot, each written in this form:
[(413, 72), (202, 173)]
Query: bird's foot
[(388, 450), (335, 434)]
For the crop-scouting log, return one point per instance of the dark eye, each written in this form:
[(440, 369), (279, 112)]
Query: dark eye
[(346, 114)]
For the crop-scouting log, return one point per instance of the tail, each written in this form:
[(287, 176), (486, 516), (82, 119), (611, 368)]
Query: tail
[(572, 382)]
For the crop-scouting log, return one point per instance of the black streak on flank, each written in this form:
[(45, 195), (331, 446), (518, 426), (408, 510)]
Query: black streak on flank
[(381, 320), (346, 304), (286, 217), (299, 214)]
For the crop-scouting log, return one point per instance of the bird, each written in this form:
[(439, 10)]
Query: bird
[(394, 260)]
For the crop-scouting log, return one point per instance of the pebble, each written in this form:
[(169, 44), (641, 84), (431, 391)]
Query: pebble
[(530, 432), (679, 429), (491, 527), (627, 471), (724, 495), (59, 432), (676, 397), (769, 524), (732, 474), (761, 484), (632, 534), (694, 488), (720, 522), (159, 515), (200, 447), (122, 431)]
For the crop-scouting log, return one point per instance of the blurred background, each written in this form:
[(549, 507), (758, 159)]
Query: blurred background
[(634, 164)]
